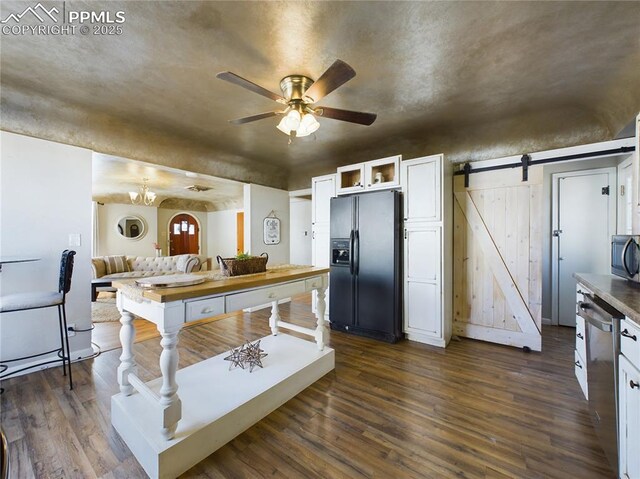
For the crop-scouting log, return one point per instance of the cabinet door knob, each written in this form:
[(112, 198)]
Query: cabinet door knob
[(633, 384), (626, 334), (577, 363)]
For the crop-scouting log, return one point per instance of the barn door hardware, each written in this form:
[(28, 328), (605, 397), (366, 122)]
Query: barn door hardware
[(467, 172), (526, 161)]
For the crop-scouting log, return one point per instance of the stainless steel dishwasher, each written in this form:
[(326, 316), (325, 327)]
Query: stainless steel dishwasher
[(602, 324)]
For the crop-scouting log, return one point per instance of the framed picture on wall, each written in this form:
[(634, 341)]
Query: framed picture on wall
[(271, 231)]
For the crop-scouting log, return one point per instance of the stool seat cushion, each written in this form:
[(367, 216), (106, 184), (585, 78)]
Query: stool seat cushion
[(32, 300)]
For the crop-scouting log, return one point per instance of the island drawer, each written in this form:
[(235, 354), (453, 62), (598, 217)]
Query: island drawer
[(313, 283), (630, 341), (262, 296), (204, 308)]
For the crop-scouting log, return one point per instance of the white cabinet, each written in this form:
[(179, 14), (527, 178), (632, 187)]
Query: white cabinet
[(372, 175), (427, 258), (421, 180), (629, 419), (383, 173), (580, 353), (323, 188), (350, 179)]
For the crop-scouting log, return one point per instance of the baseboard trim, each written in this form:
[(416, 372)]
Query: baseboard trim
[(547, 322)]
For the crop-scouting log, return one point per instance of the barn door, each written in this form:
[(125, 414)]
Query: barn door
[(184, 235), (497, 258)]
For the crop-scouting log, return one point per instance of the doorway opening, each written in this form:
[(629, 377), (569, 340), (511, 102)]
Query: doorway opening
[(626, 196), (240, 232), (184, 234), (583, 221)]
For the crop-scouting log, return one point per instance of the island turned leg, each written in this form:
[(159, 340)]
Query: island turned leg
[(274, 318), (127, 358), (169, 400), (321, 330)]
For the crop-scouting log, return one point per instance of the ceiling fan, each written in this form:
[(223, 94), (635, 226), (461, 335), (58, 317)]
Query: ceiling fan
[(299, 94)]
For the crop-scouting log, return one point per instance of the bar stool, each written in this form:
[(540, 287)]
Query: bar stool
[(45, 299)]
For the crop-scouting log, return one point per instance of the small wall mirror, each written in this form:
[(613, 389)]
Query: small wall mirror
[(131, 227)]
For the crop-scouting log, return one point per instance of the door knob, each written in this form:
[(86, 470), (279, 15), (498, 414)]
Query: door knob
[(633, 384)]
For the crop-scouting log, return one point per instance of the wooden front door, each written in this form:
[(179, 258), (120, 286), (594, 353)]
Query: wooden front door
[(240, 232), (184, 235), (497, 258)]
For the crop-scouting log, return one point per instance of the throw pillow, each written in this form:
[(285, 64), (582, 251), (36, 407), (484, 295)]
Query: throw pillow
[(116, 264)]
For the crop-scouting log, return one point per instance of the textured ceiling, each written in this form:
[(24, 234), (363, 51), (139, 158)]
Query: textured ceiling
[(474, 80), (114, 178)]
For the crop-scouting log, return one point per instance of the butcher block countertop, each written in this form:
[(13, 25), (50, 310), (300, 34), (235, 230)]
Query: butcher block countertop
[(226, 285), (618, 292)]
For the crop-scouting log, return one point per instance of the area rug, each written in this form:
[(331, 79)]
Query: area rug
[(104, 310)]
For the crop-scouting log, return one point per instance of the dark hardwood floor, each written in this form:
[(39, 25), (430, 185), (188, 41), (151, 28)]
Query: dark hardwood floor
[(474, 410)]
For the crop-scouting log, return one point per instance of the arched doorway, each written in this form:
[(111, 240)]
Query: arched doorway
[(184, 235)]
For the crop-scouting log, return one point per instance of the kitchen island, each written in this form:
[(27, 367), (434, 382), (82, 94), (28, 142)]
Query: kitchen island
[(169, 429), (618, 292), (607, 365)]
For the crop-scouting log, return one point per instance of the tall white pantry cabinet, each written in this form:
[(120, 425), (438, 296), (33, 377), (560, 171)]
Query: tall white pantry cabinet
[(426, 186), (323, 188)]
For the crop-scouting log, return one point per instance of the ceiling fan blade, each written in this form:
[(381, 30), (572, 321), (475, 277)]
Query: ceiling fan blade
[(346, 115), (249, 119), (336, 75), (249, 85)]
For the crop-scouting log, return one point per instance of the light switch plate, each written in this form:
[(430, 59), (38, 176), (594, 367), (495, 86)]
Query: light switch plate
[(74, 239)]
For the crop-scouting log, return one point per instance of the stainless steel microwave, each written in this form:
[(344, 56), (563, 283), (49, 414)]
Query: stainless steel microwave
[(625, 256)]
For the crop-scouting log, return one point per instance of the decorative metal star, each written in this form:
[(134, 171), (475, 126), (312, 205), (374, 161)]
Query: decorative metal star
[(253, 355), (235, 358), (249, 354)]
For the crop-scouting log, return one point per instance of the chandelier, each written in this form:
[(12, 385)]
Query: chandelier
[(143, 196)]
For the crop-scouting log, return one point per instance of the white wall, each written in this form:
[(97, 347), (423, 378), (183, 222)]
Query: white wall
[(110, 242), (300, 236), (223, 234), (259, 201), (45, 195), (546, 208), (164, 215)]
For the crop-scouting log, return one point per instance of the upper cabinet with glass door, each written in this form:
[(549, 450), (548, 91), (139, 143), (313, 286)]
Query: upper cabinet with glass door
[(371, 175)]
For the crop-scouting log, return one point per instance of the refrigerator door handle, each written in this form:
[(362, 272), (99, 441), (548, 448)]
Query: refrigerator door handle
[(351, 252), (356, 254)]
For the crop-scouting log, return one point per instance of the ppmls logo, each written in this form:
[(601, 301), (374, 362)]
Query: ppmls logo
[(38, 20), (34, 12)]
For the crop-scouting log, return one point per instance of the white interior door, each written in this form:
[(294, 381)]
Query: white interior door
[(584, 221)]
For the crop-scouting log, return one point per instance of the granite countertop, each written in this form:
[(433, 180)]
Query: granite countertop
[(618, 292)]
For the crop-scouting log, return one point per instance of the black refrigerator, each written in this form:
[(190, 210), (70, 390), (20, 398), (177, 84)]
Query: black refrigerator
[(366, 265)]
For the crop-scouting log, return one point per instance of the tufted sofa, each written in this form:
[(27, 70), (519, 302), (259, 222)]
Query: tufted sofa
[(141, 267)]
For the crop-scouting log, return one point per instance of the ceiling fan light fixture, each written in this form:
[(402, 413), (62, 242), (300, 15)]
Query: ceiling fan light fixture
[(283, 127), (308, 125), (290, 122)]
